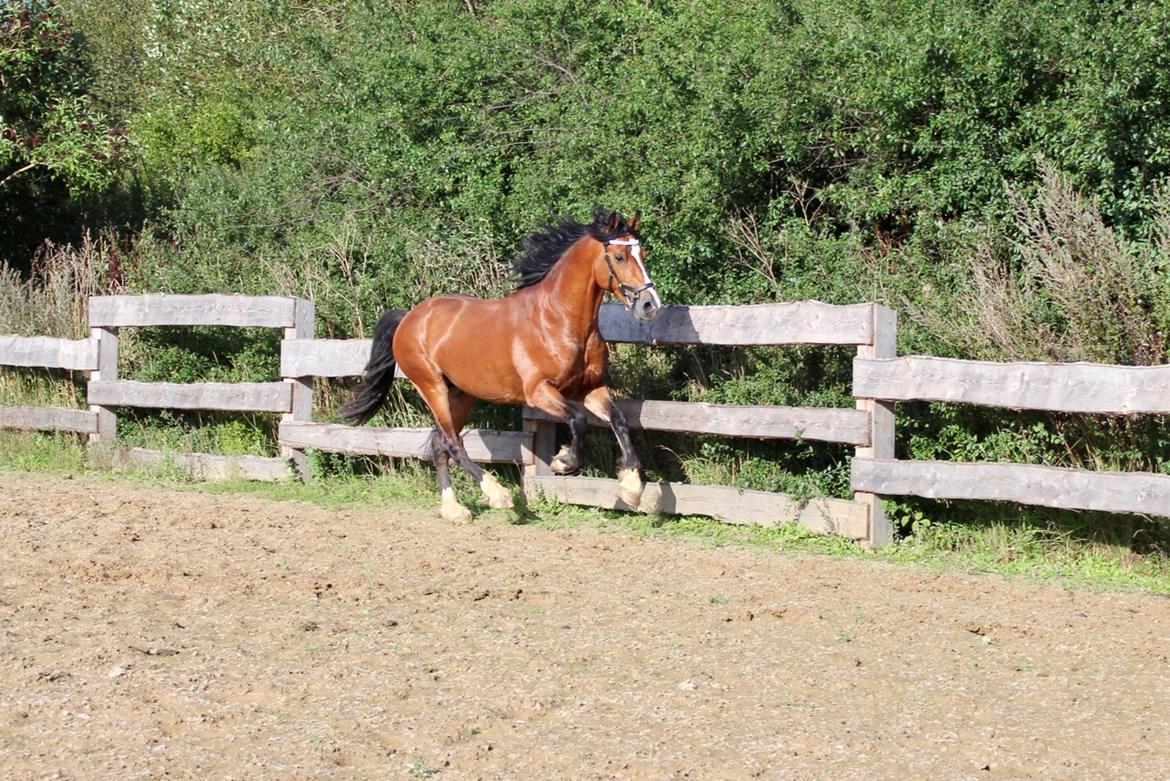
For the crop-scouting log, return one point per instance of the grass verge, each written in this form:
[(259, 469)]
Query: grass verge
[(1015, 549)]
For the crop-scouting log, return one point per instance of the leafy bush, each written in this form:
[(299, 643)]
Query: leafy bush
[(1069, 289), (57, 147)]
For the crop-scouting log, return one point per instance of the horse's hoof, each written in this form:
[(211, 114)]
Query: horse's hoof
[(563, 462), (630, 487), (499, 497), (451, 511), (454, 512)]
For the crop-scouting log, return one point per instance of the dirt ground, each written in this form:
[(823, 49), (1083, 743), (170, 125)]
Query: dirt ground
[(150, 633)]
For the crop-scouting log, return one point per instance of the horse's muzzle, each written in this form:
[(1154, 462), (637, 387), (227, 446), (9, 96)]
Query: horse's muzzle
[(646, 305)]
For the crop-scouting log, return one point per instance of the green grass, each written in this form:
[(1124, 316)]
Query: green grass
[(41, 452), (1009, 548), (42, 387)]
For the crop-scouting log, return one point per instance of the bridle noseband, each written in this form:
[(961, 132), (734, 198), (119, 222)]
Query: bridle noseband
[(629, 292)]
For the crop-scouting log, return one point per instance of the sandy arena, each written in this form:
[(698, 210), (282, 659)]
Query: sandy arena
[(151, 633)]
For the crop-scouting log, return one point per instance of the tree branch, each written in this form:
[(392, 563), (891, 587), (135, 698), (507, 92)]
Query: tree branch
[(17, 173)]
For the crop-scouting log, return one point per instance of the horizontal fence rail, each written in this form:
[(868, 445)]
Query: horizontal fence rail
[(481, 445), (79, 421), (805, 322), (206, 466), (825, 424), (48, 352), (324, 357), (1046, 486), (1075, 387), (211, 309), (802, 322), (733, 505), (228, 396)]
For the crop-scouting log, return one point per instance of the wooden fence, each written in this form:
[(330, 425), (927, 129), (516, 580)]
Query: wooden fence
[(1079, 387), (292, 398), (880, 380), (869, 427), (50, 353)]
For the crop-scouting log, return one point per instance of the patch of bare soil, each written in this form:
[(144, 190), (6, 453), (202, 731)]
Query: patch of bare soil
[(149, 633)]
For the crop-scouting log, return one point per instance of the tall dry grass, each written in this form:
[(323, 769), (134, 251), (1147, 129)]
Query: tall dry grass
[(1070, 289), (53, 300)]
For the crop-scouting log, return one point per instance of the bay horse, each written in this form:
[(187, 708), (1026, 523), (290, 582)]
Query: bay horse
[(539, 345)]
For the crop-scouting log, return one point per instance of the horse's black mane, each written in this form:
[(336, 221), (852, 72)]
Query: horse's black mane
[(545, 246)]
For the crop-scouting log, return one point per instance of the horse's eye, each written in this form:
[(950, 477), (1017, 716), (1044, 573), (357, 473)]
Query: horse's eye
[(620, 258)]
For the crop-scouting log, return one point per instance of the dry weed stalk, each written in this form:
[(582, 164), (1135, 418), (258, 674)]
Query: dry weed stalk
[(53, 301), (1074, 292)]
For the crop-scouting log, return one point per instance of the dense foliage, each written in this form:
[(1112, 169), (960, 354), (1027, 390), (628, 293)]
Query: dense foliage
[(991, 169), (58, 148)]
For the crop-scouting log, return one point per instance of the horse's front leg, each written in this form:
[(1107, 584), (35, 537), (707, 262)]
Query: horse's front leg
[(548, 399), (600, 403), (571, 457)]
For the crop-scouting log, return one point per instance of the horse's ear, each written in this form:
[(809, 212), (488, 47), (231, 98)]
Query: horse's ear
[(635, 222), (615, 220)]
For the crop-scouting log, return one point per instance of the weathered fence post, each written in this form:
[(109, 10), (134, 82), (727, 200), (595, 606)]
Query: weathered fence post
[(544, 442), (881, 421), (301, 408), (106, 339)]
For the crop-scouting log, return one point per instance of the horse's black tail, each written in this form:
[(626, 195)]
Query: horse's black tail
[(369, 394)]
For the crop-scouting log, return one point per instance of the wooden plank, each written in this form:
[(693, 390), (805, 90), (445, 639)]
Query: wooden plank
[(881, 422), (300, 388), (1072, 489), (106, 340), (237, 396), (49, 419), (49, 352), (1071, 387), (802, 322), (481, 445), (326, 358), (206, 466), (806, 322), (733, 505), (826, 424), (213, 309)]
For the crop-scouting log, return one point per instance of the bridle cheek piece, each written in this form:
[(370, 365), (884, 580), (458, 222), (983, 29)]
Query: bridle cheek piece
[(629, 292)]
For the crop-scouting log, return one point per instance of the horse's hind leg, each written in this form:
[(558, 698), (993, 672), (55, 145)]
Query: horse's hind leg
[(600, 403), (450, 509), (451, 406)]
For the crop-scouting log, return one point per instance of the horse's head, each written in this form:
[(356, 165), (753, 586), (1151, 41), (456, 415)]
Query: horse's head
[(621, 268)]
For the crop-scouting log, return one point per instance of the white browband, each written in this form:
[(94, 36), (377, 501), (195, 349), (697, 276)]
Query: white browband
[(636, 248)]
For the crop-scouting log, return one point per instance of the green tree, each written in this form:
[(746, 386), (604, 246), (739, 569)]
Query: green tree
[(56, 146)]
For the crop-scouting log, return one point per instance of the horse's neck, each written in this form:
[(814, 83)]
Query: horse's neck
[(572, 290)]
